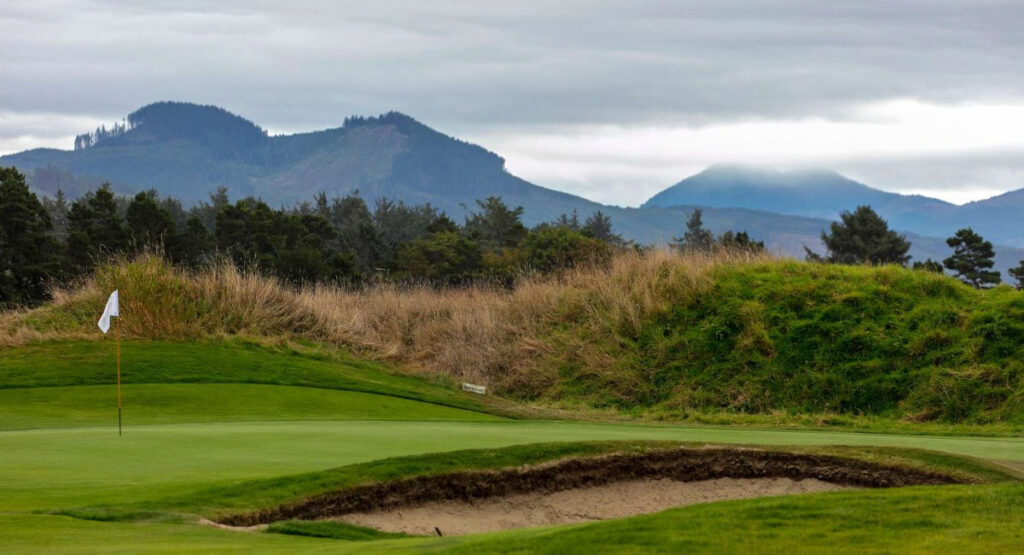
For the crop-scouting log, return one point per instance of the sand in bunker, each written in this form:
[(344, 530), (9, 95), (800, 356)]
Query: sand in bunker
[(615, 500)]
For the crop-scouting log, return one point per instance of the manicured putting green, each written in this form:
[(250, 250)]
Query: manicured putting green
[(59, 407)]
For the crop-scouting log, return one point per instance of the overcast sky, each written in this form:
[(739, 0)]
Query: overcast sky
[(611, 100)]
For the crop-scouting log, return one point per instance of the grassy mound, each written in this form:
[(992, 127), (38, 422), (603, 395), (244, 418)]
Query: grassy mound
[(789, 336), (655, 334)]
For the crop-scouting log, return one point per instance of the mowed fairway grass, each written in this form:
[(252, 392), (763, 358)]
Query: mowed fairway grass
[(209, 417)]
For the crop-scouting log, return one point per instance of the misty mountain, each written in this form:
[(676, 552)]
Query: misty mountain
[(187, 151), (824, 194)]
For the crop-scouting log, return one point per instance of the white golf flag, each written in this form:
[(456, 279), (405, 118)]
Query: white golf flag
[(112, 309)]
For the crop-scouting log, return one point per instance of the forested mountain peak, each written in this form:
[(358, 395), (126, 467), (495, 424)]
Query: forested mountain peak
[(169, 121)]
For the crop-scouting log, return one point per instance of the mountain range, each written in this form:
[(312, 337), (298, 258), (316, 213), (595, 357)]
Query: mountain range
[(186, 151)]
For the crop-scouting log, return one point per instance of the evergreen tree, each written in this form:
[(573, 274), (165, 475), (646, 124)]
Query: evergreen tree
[(558, 248), (445, 258), (569, 222), (250, 232), (397, 223), (355, 230), (28, 253), (57, 208), (1018, 275), (94, 229), (306, 256), (193, 245), (496, 226), (862, 237), (971, 259), (599, 226), (149, 224), (928, 266), (443, 224), (207, 211), (696, 238), (740, 241)]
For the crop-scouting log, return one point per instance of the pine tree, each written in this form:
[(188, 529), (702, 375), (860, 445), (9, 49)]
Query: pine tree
[(740, 241), (862, 237), (496, 226), (929, 266), (28, 253), (148, 223), (599, 226), (94, 229), (192, 245), (696, 237), (972, 258), (567, 221), (57, 208), (1018, 275)]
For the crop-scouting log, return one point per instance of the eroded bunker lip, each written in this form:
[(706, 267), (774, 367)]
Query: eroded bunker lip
[(765, 469)]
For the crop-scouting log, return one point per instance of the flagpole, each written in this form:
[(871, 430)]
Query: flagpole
[(117, 334)]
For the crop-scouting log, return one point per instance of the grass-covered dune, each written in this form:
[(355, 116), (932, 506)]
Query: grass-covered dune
[(656, 334), (784, 335)]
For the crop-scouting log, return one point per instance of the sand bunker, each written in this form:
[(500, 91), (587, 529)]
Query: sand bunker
[(582, 489), (615, 500)]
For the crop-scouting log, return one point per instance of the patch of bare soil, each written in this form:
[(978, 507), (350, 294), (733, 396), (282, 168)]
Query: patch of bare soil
[(689, 465), (615, 500)]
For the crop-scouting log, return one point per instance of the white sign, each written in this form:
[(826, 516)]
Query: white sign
[(478, 389)]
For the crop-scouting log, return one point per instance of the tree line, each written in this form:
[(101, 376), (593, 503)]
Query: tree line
[(863, 237), (332, 240), (345, 241)]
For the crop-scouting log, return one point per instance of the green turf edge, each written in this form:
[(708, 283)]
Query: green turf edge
[(330, 529), (88, 406), (218, 502), (226, 360)]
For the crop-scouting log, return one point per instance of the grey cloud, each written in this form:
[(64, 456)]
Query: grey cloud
[(463, 66), (954, 177), (530, 62)]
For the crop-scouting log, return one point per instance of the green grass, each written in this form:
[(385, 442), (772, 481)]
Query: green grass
[(69, 363), (62, 468), (799, 338), (953, 519), (971, 518), (329, 529), (266, 425), (93, 405)]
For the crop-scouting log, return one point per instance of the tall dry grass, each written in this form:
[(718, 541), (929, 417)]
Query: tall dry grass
[(512, 339)]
